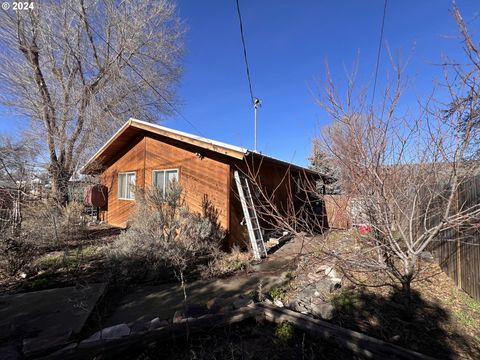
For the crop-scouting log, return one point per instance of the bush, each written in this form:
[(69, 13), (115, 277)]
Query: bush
[(15, 254), (285, 331), (164, 236), (225, 264), (50, 224)]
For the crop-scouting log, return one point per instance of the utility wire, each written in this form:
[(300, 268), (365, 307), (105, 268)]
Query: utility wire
[(136, 71), (245, 52), (379, 50)]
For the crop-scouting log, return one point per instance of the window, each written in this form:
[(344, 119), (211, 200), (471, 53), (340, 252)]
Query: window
[(126, 186), (163, 178)]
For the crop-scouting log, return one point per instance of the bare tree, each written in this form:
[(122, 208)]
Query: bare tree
[(402, 172), (77, 69), (16, 172)]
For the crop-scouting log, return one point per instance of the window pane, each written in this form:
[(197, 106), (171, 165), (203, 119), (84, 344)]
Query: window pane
[(159, 180), (172, 175), (131, 186), (121, 185)]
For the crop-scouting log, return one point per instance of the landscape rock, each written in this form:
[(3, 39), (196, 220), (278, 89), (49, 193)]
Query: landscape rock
[(330, 272), (112, 332), (140, 326), (322, 310), (278, 303), (178, 316), (242, 302), (157, 323), (268, 302), (427, 255), (299, 306), (336, 283)]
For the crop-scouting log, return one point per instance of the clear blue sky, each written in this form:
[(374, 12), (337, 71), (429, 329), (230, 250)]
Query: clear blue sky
[(288, 44)]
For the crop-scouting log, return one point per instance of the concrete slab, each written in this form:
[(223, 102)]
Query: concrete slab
[(47, 313)]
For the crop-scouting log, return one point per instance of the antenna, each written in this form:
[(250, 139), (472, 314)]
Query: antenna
[(257, 103)]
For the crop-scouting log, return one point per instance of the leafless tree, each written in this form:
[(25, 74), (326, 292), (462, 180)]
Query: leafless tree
[(403, 172), (77, 69), (16, 172)]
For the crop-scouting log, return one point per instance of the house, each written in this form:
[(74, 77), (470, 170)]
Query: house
[(146, 155)]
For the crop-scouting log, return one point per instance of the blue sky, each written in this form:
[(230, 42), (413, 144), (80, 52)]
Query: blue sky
[(288, 44)]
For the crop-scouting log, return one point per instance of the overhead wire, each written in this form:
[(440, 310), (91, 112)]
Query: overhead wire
[(379, 50), (245, 57)]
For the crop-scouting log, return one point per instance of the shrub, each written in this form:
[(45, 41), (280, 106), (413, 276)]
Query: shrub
[(285, 331), (15, 253), (50, 224), (164, 236), (225, 264)]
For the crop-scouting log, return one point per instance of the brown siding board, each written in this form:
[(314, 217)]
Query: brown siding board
[(198, 177)]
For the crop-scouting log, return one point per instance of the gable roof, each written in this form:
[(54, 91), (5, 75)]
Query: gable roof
[(127, 132)]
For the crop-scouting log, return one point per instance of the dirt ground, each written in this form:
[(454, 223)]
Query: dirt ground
[(446, 320)]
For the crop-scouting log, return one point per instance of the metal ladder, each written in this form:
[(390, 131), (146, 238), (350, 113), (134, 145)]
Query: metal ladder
[(253, 226)]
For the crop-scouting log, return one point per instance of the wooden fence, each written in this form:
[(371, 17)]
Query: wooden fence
[(458, 250)]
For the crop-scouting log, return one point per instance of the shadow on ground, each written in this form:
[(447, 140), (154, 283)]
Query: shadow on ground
[(384, 317)]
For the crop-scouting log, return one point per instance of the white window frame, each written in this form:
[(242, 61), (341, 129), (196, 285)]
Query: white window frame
[(164, 185), (126, 173)]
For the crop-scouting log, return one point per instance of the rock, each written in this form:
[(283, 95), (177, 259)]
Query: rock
[(268, 302), (219, 305), (157, 323), (278, 303), (427, 255), (112, 332), (336, 283), (330, 272), (322, 310), (322, 268), (395, 338), (314, 277), (242, 302), (140, 326), (298, 306), (178, 316)]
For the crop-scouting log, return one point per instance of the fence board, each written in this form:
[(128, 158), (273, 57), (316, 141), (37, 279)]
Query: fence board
[(458, 251)]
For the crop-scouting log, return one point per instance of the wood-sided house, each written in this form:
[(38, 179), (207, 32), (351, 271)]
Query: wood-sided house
[(146, 155)]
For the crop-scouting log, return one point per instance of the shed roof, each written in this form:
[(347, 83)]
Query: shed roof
[(132, 127)]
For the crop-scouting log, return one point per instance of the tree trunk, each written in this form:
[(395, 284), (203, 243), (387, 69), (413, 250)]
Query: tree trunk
[(60, 179)]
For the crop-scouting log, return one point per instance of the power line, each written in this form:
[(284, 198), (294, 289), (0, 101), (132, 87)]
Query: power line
[(136, 71), (245, 52), (379, 50)]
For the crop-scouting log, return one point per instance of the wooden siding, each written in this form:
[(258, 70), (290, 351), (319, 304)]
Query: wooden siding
[(118, 210), (200, 178), (278, 182)]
